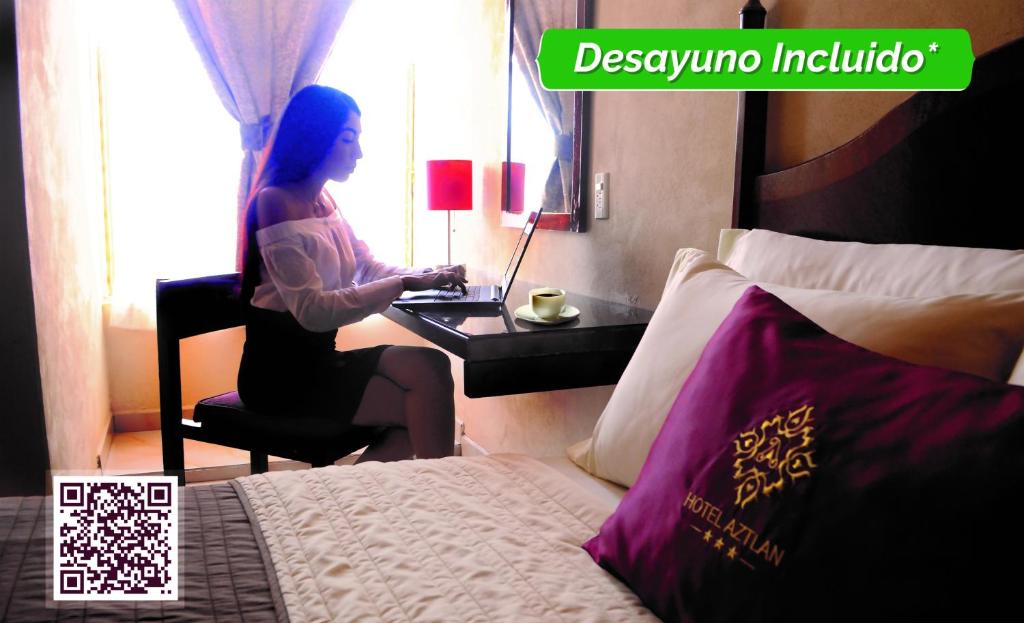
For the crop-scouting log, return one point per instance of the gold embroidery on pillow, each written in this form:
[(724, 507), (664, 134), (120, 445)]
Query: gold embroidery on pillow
[(741, 537), (774, 453)]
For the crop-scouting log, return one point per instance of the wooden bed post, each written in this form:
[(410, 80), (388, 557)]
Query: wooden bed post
[(751, 129)]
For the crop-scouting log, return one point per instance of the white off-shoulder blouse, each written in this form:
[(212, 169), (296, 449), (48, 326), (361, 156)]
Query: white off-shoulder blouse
[(319, 271)]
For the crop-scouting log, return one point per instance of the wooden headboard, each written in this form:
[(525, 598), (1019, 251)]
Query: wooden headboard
[(942, 168)]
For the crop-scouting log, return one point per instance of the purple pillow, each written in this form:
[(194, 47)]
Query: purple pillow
[(799, 477)]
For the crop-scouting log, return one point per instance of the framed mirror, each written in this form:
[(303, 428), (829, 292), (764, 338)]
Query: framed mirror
[(546, 138)]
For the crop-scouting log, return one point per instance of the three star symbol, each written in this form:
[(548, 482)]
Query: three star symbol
[(719, 543)]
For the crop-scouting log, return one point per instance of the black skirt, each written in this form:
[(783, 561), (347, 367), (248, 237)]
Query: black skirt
[(287, 370)]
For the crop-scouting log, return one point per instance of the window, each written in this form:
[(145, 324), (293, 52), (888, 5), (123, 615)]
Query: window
[(430, 86), (173, 156), (533, 144), (379, 72)]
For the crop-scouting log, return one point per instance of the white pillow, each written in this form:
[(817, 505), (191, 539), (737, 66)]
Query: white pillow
[(886, 269), (980, 334), (1017, 376)]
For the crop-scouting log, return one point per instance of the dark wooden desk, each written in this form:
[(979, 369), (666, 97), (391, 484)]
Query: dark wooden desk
[(504, 355)]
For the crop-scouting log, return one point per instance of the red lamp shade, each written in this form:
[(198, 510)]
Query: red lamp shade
[(512, 186), (449, 184)]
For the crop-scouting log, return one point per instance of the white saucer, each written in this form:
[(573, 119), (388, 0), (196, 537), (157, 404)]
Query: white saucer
[(526, 313)]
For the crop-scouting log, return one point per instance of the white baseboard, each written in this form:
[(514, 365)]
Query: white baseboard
[(143, 419), (472, 448), (108, 440)]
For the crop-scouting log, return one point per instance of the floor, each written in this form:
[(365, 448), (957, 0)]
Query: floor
[(140, 453)]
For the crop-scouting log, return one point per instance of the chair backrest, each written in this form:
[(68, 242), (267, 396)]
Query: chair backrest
[(187, 307)]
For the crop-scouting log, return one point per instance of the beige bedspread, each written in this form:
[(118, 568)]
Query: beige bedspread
[(490, 538)]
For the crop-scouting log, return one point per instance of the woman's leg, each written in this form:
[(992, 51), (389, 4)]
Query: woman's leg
[(428, 413), (393, 445), (383, 404)]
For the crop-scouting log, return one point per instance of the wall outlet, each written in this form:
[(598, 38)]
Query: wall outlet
[(601, 195)]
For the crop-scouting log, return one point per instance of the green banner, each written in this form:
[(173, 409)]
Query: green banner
[(898, 59)]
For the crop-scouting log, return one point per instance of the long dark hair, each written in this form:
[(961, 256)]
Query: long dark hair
[(308, 129)]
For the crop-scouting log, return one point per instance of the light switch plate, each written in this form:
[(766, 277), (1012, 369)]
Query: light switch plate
[(601, 195)]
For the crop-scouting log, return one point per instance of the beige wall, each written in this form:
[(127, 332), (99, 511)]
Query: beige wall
[(209, 367), (671, 158), (61, 148)]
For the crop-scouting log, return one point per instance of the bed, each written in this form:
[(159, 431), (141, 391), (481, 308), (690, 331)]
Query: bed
[(492, 538), (498, 538)]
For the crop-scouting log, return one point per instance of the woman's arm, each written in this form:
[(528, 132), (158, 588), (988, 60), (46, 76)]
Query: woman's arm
[(296, 278)]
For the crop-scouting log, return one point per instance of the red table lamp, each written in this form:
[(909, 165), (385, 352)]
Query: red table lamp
[(449, 187)]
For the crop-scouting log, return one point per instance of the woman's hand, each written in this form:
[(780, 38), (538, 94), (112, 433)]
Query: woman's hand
[(438, 279), (459, 269)]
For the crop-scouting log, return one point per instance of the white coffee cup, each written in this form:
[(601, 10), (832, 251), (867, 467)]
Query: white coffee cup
[(547, 303)]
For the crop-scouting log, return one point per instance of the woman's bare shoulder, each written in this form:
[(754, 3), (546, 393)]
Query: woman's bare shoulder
[(275, 205)]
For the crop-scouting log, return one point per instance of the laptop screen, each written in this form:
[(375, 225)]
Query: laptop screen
[(517, 255)]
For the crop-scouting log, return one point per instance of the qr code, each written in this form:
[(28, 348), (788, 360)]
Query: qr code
[(115, 538)]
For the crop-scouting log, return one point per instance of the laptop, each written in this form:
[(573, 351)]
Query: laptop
[(476, 297)]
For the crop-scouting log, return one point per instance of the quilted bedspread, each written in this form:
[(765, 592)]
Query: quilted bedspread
[(493, 538), (224, 575)]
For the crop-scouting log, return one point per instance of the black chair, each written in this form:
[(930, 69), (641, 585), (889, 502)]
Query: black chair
[(189, 307)]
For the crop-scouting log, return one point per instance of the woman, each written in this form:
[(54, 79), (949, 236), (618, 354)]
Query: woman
[(306, 274)]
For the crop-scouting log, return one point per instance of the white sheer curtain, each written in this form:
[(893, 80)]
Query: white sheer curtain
[(258, 53)]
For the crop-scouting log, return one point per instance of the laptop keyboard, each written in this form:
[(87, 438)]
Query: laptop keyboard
[(455, 294)]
